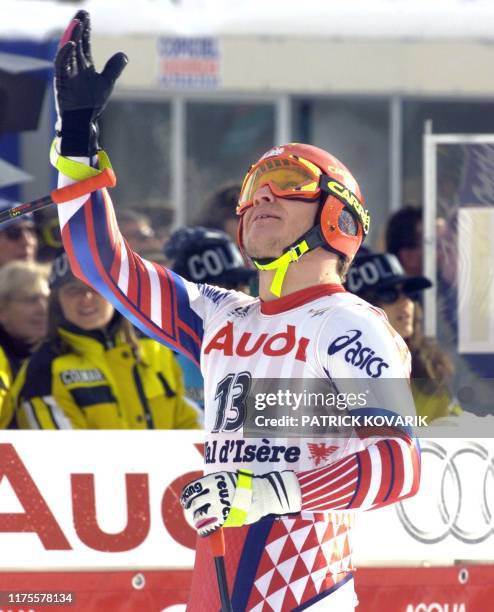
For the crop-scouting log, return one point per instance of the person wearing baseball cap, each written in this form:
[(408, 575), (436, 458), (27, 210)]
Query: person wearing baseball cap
[(205, 255), (18, 237), (379, 279)]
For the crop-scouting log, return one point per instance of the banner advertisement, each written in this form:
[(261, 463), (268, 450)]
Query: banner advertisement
[(438, 589), (189, 62), (97, 513), (451, 518), (426, 589), (99, 499)]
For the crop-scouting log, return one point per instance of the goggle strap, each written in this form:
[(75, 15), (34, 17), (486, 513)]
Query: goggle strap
[(362, 217), (314, 238)]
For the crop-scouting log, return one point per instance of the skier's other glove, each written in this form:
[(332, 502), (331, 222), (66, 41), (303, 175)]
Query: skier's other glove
[(233, 499), (81, 93)]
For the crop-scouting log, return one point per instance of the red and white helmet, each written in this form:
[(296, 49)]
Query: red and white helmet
[(305, 172)]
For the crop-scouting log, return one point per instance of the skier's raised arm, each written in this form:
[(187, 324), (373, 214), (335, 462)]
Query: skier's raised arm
[(159, 302)]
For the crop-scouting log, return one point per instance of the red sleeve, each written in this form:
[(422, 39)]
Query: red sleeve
[(153, 298), (382, 474)]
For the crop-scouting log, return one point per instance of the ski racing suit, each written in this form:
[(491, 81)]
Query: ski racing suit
[(292, 562)]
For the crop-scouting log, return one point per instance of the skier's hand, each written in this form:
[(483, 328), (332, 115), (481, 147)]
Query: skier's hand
[(232, 499), (81, 93), (207, 501)]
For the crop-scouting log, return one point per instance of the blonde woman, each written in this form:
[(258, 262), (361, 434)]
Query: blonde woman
[(23, 322), (94, 372)]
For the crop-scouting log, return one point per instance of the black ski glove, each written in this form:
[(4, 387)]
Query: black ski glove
[(81, 93)]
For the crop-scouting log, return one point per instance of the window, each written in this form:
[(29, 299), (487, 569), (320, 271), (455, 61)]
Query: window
[(357, 133), (222, 140), (137, 136), (447, 117)]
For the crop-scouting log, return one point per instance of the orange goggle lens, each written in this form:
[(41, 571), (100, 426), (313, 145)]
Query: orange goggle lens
[(286, 177)]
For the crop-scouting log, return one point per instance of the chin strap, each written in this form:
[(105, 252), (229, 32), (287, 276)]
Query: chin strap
[(281, 265), (307, 242)]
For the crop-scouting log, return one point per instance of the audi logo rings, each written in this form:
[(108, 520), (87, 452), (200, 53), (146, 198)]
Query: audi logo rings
[(450, 507)]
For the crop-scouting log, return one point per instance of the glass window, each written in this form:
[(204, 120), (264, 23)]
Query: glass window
[(357, 133), (223, 139), (447, 117), (136, 135), (463, 298)]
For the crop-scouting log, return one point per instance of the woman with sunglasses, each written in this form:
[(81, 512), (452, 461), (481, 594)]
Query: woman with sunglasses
[(18, 237), (380, 279)]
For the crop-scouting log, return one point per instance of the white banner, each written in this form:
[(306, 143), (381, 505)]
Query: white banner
[(51, 477), (476, 280), (109, 499), (451, 518)]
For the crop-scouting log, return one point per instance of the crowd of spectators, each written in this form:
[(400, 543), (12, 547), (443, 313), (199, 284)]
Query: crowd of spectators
[(68, 360)]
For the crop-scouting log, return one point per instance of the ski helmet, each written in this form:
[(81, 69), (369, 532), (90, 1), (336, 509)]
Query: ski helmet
[(307, 173)]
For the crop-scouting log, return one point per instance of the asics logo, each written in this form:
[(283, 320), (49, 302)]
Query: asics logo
[(356, 353)]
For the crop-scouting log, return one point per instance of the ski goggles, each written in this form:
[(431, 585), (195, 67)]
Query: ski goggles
[(294, 177)]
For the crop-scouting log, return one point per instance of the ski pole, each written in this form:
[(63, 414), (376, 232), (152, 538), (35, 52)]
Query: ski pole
[(217, 544), (106, 178)]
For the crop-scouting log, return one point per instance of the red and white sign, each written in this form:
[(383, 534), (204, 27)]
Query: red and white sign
[(189, 62), (438, 589), (96, 499), (109, 500), (425, 589)]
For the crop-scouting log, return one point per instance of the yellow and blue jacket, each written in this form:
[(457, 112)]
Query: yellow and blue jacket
[(13, 352), (99, 384), (5, 382)]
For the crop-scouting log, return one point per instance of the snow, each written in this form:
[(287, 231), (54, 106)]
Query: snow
[(352, 19)]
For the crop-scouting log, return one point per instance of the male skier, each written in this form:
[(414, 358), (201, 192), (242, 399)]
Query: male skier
[(287, 505)]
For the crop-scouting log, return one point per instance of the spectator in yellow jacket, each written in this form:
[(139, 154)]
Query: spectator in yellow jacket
[(93, 372), (23, 323)]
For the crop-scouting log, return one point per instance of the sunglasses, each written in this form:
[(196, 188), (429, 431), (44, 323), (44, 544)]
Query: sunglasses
[(76, 289), (14, 233), (393, 294)]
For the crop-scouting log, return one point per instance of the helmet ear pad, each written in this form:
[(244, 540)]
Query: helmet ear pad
[(339, 227)]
